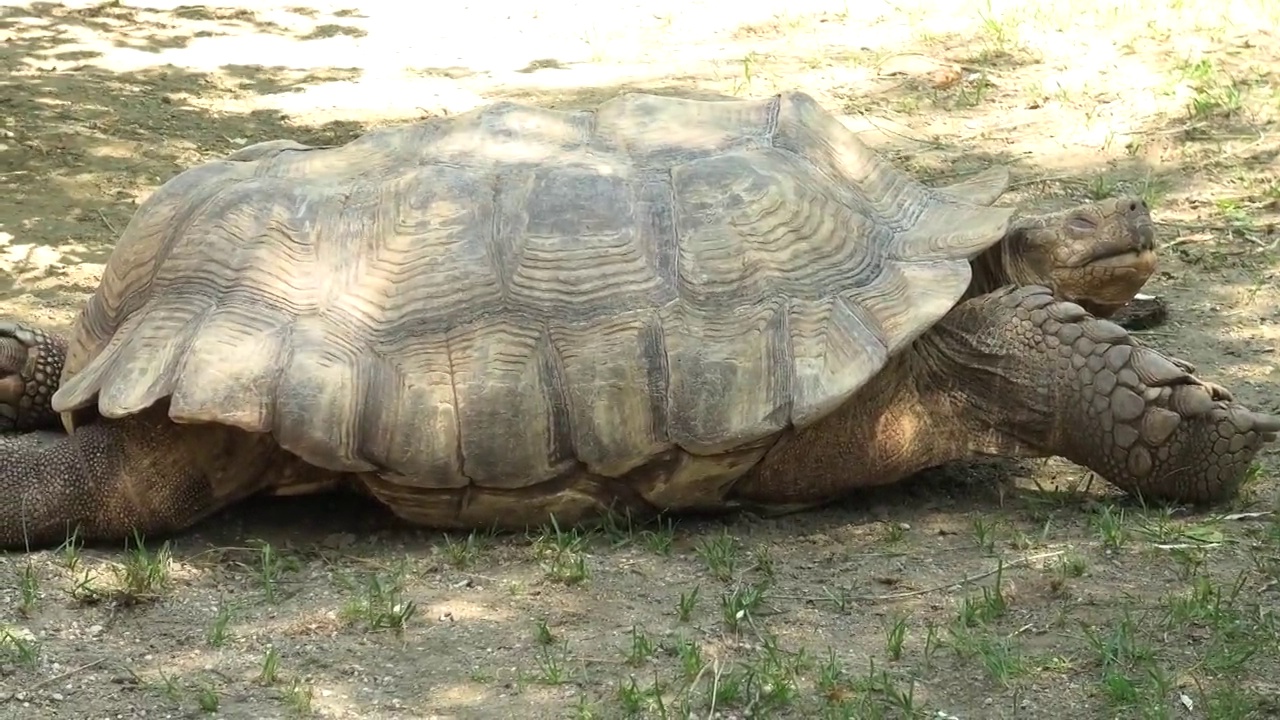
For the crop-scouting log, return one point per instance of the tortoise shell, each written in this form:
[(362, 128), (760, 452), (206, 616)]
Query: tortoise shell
[(517, 295)]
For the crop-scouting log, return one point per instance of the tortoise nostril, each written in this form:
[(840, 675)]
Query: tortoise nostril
[(1133, 206), (1146, 238)]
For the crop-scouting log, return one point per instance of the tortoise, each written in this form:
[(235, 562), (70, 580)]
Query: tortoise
[(658, 305)]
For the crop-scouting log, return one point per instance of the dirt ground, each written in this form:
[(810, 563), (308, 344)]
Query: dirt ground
[(990, 590)]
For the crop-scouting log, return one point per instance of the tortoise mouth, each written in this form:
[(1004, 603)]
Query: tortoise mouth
[(1138, 260), (1107, 281)]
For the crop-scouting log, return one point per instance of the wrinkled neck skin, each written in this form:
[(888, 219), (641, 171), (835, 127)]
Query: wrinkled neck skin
[(949, 398), (1002, 264), (954, 399), (991, 405)]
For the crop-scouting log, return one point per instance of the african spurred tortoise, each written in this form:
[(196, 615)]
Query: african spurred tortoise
[(657, 305)]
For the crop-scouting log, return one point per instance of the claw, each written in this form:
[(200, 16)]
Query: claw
[(1183, 365), (1262, 422), (1216, 391)]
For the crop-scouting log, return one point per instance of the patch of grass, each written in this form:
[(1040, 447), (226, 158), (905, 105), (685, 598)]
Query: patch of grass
[(299, 697), (1215, 93), (738, 604), (142, 574), (271, 566), (660, 538), (380, 603), (687, 604), (562, 554), (720, 553), (219, 629), (20, 647), (28, 588), (269, 674), (1110, 525), (895, 637), (463, 553)]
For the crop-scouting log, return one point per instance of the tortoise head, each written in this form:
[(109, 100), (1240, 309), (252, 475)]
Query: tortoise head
[(1098, 255)]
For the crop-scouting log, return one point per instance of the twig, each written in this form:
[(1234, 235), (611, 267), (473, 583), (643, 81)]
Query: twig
[(1044, 179), (945, 586), (965, 581), (1203, 227), (715, 690), (107, 222), (65, 675), (922, 141), (697, 679)]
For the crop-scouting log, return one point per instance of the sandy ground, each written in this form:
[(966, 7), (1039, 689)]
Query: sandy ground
[(985, 591)]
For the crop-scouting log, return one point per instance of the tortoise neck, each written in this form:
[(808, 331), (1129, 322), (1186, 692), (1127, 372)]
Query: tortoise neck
[(910, 417), (1009, 262)]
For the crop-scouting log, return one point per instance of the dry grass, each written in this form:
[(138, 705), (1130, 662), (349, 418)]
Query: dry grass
[(984, 591)]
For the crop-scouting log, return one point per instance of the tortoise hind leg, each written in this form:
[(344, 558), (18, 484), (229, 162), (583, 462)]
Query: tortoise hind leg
[(112, 478), (1046, 376)]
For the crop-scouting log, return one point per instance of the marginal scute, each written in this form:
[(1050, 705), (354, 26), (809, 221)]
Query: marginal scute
[(616, 382), (835, 346), (729, 378), (267, 148), (145, 364), (231, 369)]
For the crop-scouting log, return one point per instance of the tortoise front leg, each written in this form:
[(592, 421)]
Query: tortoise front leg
[(1140, 315), (1048, 377), (30, 368)]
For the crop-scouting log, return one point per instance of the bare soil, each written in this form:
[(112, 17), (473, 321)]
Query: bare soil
[(988, 590)]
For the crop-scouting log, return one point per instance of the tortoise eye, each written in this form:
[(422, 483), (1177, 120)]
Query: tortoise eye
[(1082, 223)]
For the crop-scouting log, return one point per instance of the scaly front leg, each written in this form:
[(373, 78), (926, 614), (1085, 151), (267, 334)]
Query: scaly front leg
[(1054, 379)]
